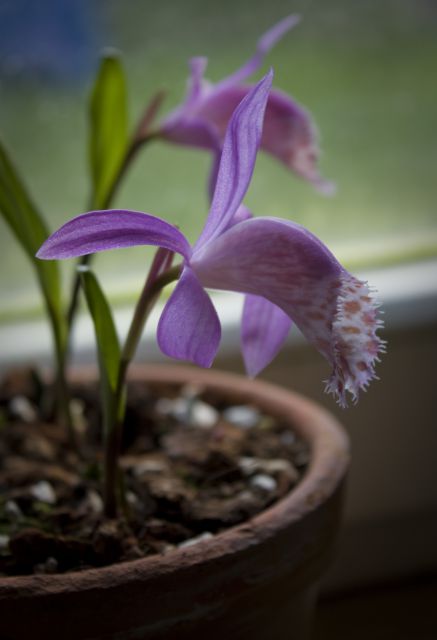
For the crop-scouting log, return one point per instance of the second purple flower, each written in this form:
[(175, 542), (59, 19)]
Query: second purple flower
[(289, 133)]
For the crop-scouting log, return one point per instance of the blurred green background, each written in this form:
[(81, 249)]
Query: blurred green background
[(365, 69)]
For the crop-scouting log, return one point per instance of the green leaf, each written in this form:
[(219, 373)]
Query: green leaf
[(18, 210), (30, 230), (108, 346), (109, 128)]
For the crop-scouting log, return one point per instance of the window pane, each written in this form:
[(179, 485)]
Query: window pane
[(365, 70)]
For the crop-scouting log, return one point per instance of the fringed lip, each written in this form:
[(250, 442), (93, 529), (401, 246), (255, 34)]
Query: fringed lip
[(357, 346)]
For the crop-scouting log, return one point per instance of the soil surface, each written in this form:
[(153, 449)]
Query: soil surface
[(192, 466)]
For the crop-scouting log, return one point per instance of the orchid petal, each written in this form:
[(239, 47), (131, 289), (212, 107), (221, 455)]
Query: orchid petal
[(189, 328), (112, 229), (286, 264), (192, 132), (183, 125), (196, 82), (237, 160), (264, 328), (242, 213), (291, 136), (264, 45)]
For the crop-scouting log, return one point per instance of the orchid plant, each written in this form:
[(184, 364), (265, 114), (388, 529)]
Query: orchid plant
[(286, 273), (199, 121), (273, 259)]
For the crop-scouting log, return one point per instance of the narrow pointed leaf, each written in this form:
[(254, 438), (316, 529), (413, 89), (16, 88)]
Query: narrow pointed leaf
[(17, 208), (29, 228), (109, 128), (106, 335)]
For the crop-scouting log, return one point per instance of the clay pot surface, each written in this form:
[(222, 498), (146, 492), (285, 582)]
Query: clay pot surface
[(256, 581)]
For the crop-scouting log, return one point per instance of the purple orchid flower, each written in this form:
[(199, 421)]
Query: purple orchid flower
[(289, 133), (268, 258)]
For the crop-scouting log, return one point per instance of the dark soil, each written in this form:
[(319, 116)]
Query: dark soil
[(191, 466)]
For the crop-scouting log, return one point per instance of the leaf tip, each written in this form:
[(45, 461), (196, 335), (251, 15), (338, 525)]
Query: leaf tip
[(111, 53)]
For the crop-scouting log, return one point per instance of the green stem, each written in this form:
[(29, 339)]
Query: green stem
[(59, 337), (145, 304), (116, 413), (63, 399), (114, 433)]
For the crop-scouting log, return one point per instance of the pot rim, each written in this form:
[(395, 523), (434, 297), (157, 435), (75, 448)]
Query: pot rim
[(329, 446)]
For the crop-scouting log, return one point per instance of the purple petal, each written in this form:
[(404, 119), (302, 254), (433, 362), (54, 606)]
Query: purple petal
[(264, 328), (265, 43), (184, 125), (189, 328), (112, 229), (197, 68), (192, 131), (238, 159), (291, 136), (289, 266), (242, 213)]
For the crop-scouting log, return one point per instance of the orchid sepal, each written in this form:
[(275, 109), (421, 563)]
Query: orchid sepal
[(98, 231)]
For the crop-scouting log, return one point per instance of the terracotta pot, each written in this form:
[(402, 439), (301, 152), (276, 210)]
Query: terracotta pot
[(257, 580)]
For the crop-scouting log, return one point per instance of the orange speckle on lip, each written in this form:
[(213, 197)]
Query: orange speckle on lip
[(352, 329), (352, 306), (372, 347)]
